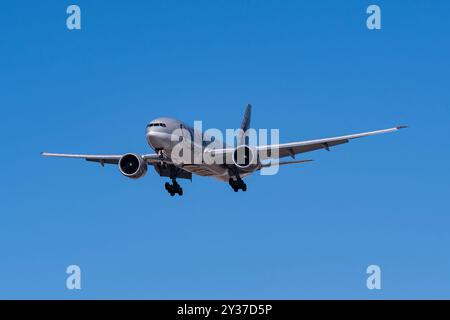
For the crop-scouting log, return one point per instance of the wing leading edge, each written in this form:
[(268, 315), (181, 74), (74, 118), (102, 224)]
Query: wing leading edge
[(293, 148), (267, 152), (103, 158)]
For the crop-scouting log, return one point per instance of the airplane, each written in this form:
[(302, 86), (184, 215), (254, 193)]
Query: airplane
[(159, 136)]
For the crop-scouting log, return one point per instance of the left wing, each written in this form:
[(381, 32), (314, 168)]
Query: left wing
[(293, 148), (266, 152), (103, 158)]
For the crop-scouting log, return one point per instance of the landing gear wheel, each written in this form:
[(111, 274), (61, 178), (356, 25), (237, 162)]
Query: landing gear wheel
[(173, 188), (237, 184)]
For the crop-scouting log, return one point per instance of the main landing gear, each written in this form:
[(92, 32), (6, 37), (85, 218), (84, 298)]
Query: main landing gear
[(174, 188), (237, 184)]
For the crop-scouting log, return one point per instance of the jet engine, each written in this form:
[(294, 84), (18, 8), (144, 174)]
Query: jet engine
[(132, 166)]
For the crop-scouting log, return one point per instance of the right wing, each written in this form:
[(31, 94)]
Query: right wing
[(105, 159), (165, 167)]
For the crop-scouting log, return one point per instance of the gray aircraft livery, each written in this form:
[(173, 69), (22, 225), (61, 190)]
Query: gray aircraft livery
[(198, 155)]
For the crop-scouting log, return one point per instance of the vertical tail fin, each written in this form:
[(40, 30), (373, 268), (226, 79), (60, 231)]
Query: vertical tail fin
[(246, 120), (245, 125)]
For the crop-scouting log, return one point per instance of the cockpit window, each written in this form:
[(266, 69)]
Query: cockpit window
[(157, 124)]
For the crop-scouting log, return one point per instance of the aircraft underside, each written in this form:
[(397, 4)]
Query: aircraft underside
[(185, 172)]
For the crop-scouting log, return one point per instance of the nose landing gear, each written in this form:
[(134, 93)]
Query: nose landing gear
[(237, 184), (174, 188)]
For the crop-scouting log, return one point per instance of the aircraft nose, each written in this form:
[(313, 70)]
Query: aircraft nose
[(154, 138), (151, 137)]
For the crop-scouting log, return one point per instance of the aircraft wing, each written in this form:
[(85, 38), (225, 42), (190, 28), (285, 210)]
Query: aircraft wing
[(103, 158), (293, 148)]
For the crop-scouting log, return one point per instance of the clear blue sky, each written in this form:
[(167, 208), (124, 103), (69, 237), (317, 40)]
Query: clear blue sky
[(310, 68)]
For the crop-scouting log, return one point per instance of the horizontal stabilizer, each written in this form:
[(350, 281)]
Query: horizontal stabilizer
[(285, 163)]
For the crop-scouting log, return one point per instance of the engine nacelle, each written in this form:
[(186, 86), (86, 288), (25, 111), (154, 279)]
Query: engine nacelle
[(245, 158), (132, 166)]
